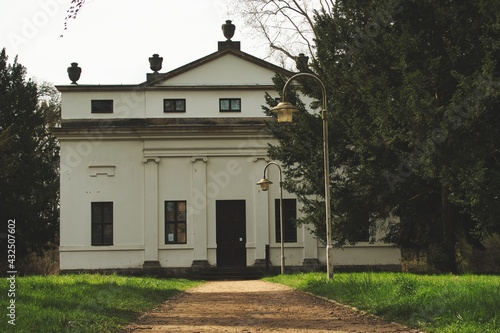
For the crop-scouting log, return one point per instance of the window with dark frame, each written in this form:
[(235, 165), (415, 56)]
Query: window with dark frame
[(230, 104), (175, 222), (174, 105), (102, 106), (289, 217), (102, 223)]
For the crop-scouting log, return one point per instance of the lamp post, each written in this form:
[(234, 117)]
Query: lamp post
[(285, 111), (264, 186)]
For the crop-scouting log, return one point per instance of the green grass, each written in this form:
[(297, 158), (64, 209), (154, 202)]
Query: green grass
[(441, 304), (84, 303)]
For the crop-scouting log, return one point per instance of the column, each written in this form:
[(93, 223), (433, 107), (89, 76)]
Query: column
[(151, 220), (261, 211), (198, 212)]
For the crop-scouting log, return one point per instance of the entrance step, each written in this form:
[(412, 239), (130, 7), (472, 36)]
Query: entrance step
[(230, 273)]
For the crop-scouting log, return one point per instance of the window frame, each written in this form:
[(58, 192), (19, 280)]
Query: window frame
[(101, 223), (229, 100), (177, 223), (289, 217), (94, 108), (174, 100)]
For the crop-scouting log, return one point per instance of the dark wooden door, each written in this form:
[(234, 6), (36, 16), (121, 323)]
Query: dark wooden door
[(231, 233)]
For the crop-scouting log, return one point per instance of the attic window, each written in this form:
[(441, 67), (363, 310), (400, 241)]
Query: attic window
[(102, 106), (174, 105), (230, 105)]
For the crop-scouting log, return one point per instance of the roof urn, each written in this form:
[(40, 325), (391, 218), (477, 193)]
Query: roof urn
[(228, 29), (155, 62), (74, 72)]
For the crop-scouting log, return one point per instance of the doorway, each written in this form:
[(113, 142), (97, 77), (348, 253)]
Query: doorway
[(231, 233)]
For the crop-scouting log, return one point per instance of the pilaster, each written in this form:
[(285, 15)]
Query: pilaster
[(261, 210), (199, 209), (151, 210)]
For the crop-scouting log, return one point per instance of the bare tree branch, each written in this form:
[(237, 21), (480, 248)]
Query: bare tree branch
[(286, 25)]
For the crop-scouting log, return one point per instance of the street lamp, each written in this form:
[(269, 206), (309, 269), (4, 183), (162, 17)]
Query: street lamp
[(285, 111), (264, 186)]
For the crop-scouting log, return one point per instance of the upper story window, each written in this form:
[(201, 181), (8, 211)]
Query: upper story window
[(230, 104), (102, 106), (174, 105)]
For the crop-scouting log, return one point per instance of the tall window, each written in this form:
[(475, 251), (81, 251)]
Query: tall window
[(175, 222), (102, 106), (102, 223), (230, 105), (174, 105), (289, 217)]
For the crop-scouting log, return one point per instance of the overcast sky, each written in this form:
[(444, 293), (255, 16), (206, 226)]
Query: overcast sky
[(111, 40)]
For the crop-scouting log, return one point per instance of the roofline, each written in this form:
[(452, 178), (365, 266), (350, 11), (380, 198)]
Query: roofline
[(160, 77), (90, 88)]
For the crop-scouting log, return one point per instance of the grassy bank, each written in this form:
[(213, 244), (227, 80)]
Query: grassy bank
[(451, 304), (84, 303)]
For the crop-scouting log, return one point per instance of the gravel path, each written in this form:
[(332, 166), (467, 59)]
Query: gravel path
[(256, 306)]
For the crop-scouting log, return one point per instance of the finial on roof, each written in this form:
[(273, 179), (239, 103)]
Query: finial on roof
[(301, 62), (155, 62), (74, 72), (228, 29)]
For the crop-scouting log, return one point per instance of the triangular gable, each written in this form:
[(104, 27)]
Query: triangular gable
[(222, 68)]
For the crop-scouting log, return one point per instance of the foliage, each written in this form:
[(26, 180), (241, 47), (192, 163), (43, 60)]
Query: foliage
[(29, 183), (414, 98), (87, 303), (446, 303)]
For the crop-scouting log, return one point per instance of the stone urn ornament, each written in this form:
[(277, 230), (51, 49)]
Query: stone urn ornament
[(155, 62), (228, 29), (74, 72)]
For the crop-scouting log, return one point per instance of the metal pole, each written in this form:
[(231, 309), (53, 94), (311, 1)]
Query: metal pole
[(282, 238), (326, 166)]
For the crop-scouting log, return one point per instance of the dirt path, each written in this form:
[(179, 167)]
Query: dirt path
[(255, 306)]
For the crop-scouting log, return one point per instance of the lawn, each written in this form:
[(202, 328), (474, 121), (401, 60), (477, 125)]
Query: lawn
[(84, 303), (434, 303)]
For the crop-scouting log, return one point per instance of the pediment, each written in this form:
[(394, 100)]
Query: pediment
[(222, 68)]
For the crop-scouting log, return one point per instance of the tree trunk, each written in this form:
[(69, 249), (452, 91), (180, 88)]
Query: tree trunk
[(449, 237)]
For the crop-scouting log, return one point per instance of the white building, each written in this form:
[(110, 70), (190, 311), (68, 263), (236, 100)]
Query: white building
[(163, 174)]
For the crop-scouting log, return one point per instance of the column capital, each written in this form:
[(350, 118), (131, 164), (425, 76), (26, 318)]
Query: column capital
[(199, 158), (264, 158), (155, 159)]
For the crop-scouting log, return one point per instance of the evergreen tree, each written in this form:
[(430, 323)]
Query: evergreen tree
[(414, 102), (29, 182)]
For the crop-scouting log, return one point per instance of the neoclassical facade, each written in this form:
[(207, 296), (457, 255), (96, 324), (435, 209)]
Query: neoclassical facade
[(163, 174)]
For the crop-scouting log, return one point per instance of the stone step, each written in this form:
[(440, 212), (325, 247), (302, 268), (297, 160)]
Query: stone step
[(230, 273)]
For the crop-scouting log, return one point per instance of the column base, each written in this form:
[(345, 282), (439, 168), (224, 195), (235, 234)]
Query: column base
[(151, 264), (200, 265), (311, 264)]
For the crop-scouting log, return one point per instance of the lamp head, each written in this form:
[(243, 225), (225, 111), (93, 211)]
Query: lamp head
[(264, 184), (285, 111)]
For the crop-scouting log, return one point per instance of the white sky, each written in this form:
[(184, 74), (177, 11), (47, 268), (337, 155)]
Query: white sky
[(111, 40)]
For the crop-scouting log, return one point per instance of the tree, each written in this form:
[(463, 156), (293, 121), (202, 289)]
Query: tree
[(29, 182), (413, 88)]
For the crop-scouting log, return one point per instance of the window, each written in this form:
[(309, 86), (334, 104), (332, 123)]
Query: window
[(362, 231), (230, 105), (102, 106), (175, 222), (289, 216), (102, 223), (174, 105)]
